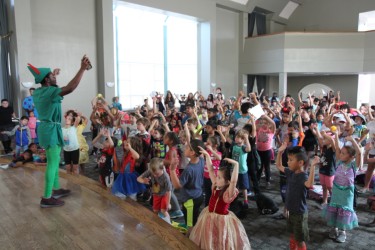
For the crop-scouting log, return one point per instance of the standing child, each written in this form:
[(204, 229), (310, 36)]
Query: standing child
[(22, 135), (126, 182), (240, 149), (83, 146), (328, 163), (32, 126), (266, 129), (296, 193), (339, 213), (71, 145), (107, 153), (171, 140), (217, 227), (161, 187), (190, 182), (215, 156)]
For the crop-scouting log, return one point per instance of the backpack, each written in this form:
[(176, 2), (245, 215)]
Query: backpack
[(265, 204)]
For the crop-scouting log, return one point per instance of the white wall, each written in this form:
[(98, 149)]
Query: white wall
[(347, 85), (52, 33), (328, 15), (227, 50)]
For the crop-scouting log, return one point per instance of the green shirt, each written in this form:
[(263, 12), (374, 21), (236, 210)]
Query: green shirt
[(239, 154), (47, 101)]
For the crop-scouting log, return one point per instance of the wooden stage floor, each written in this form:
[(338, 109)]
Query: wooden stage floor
[(90, 219)]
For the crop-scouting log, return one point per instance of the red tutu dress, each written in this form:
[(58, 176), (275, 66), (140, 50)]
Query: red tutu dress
[(219, 228)]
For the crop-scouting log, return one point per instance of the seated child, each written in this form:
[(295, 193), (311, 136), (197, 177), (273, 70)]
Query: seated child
[(27, 156)]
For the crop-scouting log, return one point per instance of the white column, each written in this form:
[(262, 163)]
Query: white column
[(283, 83)]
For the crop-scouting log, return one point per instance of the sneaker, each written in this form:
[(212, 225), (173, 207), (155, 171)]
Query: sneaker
[(333, 233), (250, 194), (57, 194), (133, 197), (342, 237), (4, 166), (364, 191), (268, 185), (51, 202), (183, 228), (176, 214)]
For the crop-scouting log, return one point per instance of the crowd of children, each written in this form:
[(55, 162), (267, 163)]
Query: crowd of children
[(212, 150)]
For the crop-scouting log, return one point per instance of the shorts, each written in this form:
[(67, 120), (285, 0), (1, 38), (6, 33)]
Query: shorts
[(326, 180), (243, 181), (297, 225), (71, 157), (160, 202)]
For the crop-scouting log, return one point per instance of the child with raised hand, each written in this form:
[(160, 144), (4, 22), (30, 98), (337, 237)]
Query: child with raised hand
[(328, 163), (107, 153), (171, 140), (126, 182), (339, 213), (190, 182), (161, 187), (298, 184), (217, 227), (211, 146), (239, 150)]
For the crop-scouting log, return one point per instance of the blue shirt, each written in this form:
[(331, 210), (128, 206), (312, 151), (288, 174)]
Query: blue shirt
[(191, 180), (296, 192)]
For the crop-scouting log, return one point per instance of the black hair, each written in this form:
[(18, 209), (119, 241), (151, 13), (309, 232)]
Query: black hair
[(31, 144), (300, 154), (245, 107), (345, 106), (249, 128), (212, 123), (226, 168), (293, 124), (24, 117), (4, 100), (195, 144)]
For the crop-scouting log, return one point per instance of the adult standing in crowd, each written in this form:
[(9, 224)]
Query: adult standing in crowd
[(6, 115), (28, 103), (47, 100)]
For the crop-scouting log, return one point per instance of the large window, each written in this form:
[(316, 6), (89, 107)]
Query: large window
[(154, 52)]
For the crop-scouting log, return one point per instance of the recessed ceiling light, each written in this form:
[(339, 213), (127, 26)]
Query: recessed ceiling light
[(288, 10), (243, 2)]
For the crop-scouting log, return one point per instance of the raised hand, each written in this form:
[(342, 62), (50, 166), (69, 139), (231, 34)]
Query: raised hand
[(283, 147)]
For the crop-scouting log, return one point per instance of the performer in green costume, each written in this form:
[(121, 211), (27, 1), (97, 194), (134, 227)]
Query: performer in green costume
[(47, 100)]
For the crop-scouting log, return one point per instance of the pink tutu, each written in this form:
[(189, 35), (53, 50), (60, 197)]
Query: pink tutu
[(217, 231)]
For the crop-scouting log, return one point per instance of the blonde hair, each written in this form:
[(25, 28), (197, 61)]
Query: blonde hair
[(156, 164), (242, 133)]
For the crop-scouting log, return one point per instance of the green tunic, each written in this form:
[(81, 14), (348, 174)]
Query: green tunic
[(47, 101)]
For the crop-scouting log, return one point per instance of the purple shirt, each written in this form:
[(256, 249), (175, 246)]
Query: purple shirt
[(345, 174)]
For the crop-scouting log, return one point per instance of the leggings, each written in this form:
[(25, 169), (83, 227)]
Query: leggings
[(265, 158), (190, 209), (252, 172), (51, 177)]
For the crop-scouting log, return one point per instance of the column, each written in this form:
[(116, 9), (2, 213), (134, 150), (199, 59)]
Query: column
[(283, 82)]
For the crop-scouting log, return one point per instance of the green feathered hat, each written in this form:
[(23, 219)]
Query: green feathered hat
[(38, 73)]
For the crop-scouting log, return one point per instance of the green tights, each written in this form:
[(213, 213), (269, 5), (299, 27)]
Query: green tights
[(51, 178)]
